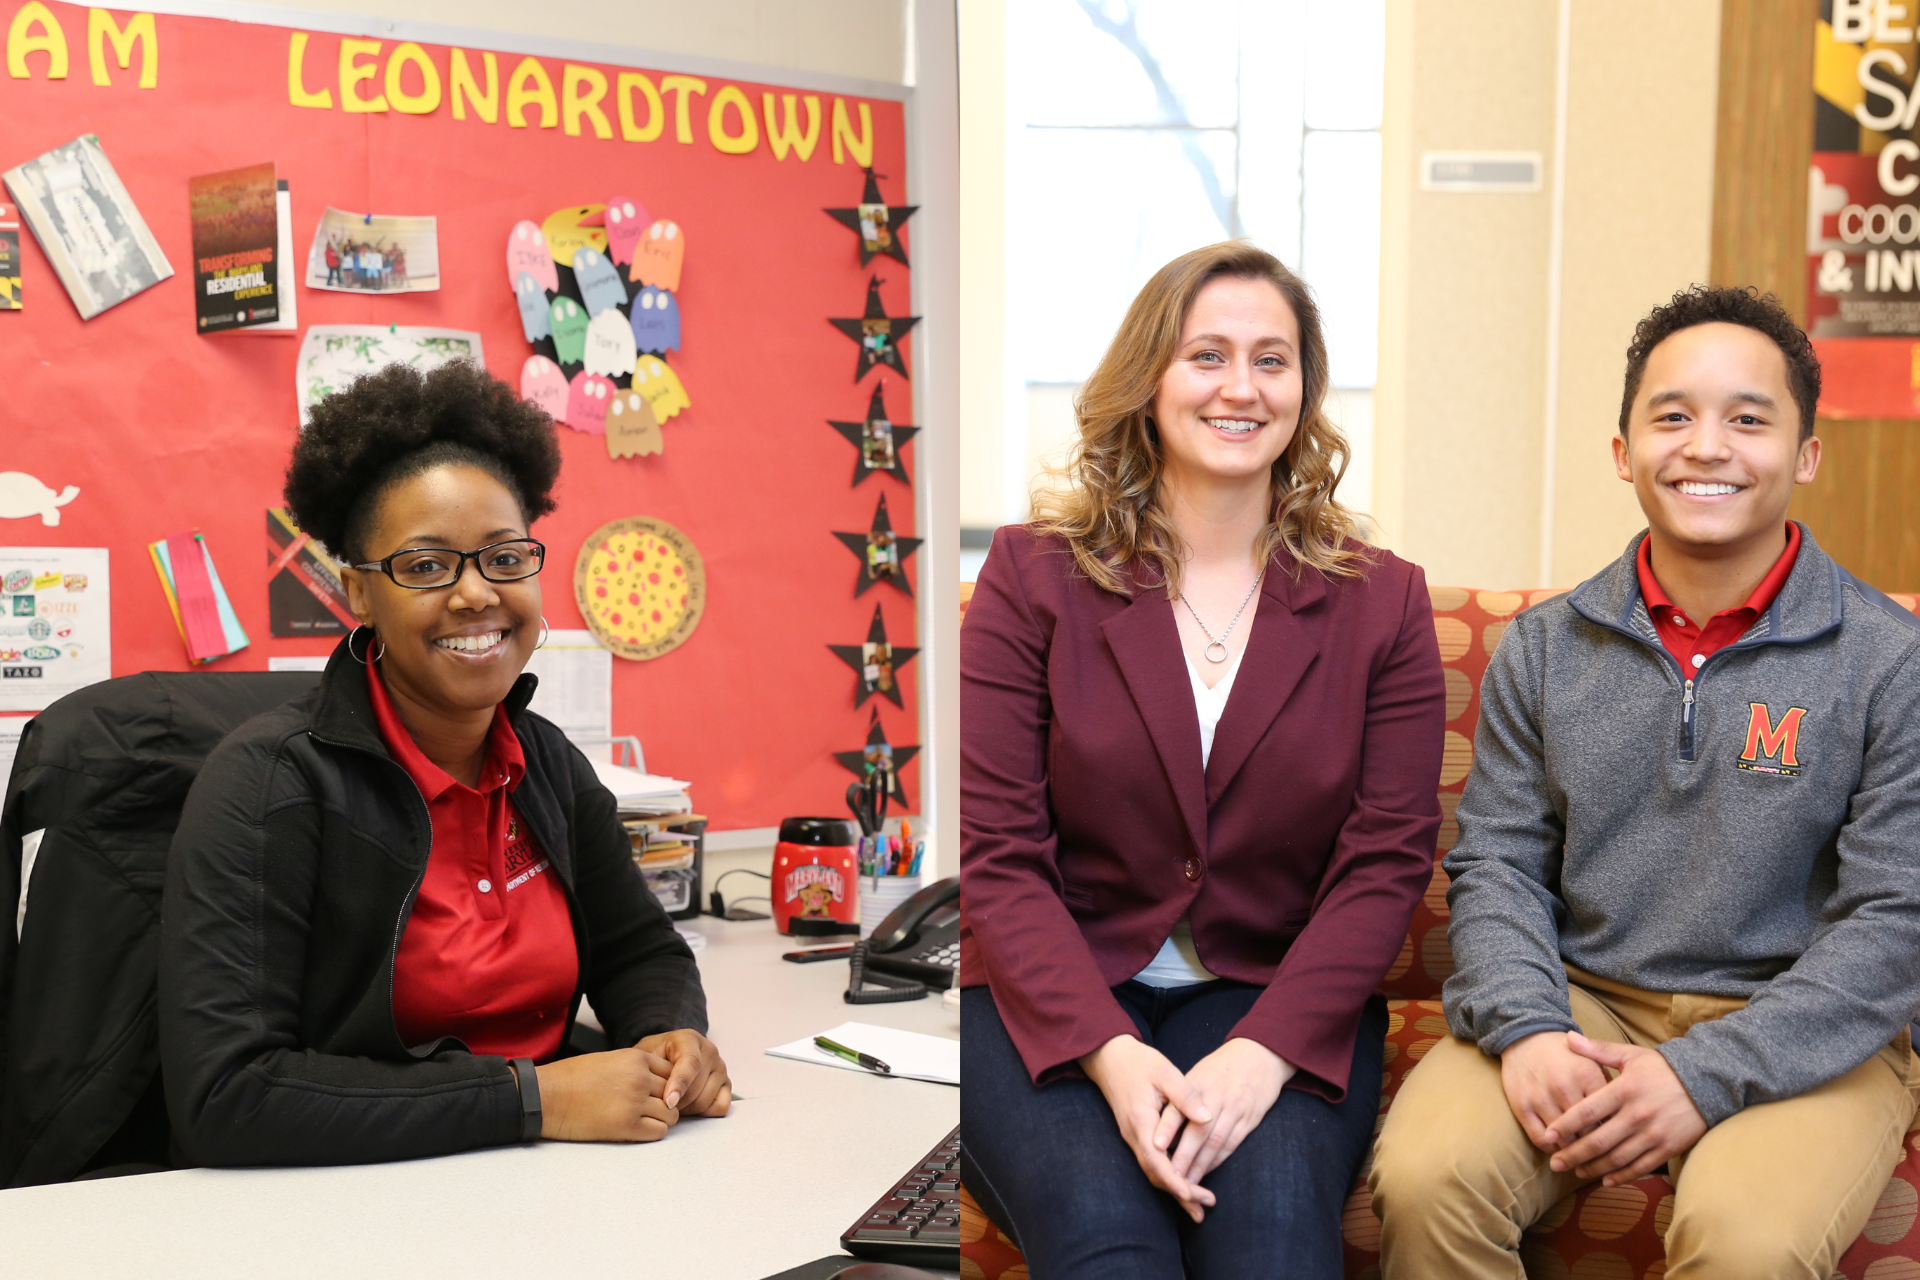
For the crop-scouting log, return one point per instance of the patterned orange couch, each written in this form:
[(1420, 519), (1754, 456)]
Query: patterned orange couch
[(1599, 1233)]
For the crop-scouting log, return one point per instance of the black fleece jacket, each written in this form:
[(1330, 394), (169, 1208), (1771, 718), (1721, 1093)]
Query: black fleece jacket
[(290, 881)]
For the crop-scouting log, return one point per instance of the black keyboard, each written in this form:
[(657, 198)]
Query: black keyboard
[(918, 1221)]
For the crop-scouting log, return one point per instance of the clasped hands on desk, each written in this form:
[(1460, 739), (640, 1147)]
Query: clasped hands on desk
[(802, 1155)]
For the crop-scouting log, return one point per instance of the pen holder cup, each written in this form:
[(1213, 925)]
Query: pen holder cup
[(879, 895)]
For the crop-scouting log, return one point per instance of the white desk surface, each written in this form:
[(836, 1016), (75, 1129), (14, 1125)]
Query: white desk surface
[(804, 1152)]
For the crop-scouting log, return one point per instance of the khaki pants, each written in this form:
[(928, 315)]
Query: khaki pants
[(1777, 1190)]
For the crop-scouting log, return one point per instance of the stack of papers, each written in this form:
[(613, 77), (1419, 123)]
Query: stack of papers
[(641, 794), (208, 625), (912, 1054)]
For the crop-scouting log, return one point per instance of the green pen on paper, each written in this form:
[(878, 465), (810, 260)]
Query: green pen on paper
[(854, 1056)]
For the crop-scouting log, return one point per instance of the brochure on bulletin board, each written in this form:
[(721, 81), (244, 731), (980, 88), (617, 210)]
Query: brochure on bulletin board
[(55, 624)]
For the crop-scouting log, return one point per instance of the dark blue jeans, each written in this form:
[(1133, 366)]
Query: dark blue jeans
[(1048, 1164)]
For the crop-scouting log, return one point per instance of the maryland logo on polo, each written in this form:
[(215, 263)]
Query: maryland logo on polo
[(1772, 748)]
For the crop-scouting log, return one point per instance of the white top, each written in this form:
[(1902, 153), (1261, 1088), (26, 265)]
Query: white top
[(1178, 964)]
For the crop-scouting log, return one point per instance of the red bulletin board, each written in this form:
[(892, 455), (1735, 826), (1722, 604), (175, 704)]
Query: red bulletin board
[(163, 429)]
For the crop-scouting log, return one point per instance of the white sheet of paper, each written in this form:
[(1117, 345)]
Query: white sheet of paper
[(318, 662), (576, 688), (913, 1055), (333, 355), (11, 727), (54, 638)]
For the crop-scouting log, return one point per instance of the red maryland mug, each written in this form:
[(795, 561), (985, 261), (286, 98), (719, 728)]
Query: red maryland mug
[(815, 872)]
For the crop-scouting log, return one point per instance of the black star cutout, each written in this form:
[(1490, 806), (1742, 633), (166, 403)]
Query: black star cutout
[(879, 753), (875, 664), (877, 333), (877, 440), (882, 552), (876, 223)]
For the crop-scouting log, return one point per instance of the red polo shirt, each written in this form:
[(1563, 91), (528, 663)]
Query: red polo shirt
[(1686, 639), (488, 954)]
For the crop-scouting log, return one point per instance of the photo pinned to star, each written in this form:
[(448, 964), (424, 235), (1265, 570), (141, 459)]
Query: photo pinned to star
[(882, 552), (875, 663), (877, 333), (877, 441), (594, 287), (877, 223), (878, 753)]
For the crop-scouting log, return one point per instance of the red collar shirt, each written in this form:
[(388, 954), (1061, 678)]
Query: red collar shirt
[(488, 955), (1692, 642)]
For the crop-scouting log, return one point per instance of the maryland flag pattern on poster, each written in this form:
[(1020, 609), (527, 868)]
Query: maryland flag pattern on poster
[(1863, 210)]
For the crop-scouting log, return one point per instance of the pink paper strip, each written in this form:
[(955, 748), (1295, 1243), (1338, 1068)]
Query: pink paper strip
[(199, 610)]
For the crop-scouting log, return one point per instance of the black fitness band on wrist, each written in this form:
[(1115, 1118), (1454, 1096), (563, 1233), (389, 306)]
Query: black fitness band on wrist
[(529, 1098)]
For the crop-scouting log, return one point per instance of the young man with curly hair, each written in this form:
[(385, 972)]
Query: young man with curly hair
[(1686, 893)]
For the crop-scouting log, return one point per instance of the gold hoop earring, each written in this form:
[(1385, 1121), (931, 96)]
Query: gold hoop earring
[(370, 654), (545, 630)]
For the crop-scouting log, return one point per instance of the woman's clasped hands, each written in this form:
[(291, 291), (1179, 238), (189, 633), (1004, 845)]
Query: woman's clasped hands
[(1182, 1127), (633, 1095)]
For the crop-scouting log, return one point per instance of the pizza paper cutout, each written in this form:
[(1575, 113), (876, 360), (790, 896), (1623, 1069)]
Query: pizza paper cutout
[(877, 333), (641, 586), (631, 429), (527, 252), (536, 322), (656, 321), (877, 441), (878, 753), (653, 379), (587, 398), (599, 284), (876, 223), (543, 383), (657, 260), (876, 664), (882, 552), (569, 321), (572, 229), (627, 221), (610, 350)]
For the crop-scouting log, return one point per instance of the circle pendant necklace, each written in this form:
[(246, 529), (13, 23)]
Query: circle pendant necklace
[(1220, 642)]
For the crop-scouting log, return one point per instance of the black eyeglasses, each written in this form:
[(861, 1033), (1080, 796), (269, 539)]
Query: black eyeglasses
[(424, 568)]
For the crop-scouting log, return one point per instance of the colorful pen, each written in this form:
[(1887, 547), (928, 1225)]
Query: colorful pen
[(854, 1056)]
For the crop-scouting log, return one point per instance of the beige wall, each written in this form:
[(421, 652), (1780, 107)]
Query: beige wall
[(864, 38), (984, 439), (1461, 430)]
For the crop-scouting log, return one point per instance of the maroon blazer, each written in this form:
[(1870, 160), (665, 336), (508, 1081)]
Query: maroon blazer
[(1088, 826)]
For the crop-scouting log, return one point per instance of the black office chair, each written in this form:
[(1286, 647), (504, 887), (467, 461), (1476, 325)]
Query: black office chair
[(101, 775)]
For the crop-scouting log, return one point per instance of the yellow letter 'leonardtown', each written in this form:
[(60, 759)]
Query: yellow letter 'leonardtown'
[(297, 94)]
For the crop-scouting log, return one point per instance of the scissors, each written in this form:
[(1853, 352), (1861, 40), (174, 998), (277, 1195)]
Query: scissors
[(868, 800)]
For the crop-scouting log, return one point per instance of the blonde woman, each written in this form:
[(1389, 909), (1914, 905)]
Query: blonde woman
[(1200, 748)]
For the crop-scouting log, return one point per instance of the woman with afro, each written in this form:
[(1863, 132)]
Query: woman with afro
[(387, 898)]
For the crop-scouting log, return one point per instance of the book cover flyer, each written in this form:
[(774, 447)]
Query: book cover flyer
[(236, 245), (9, 258), (77, 208), (304, 595)]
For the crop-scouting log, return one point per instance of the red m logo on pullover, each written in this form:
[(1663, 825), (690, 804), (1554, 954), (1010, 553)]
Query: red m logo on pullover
[(1764, 739)]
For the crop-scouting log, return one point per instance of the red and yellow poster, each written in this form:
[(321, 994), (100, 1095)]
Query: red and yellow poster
[(1863, 210)]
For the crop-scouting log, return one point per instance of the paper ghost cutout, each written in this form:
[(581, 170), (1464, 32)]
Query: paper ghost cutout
[(878, 753), (876, 664), (661, 386), (600, 286), (882, 552), (527, 252), (627, 221), (657, 260), (656, 321), (877, 223), (877, 333), (543, 384), (569, 321), (877, 441), (610, 350), (535, 320), (587, 399), (572, 229), (631, 428), (21, 495)]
